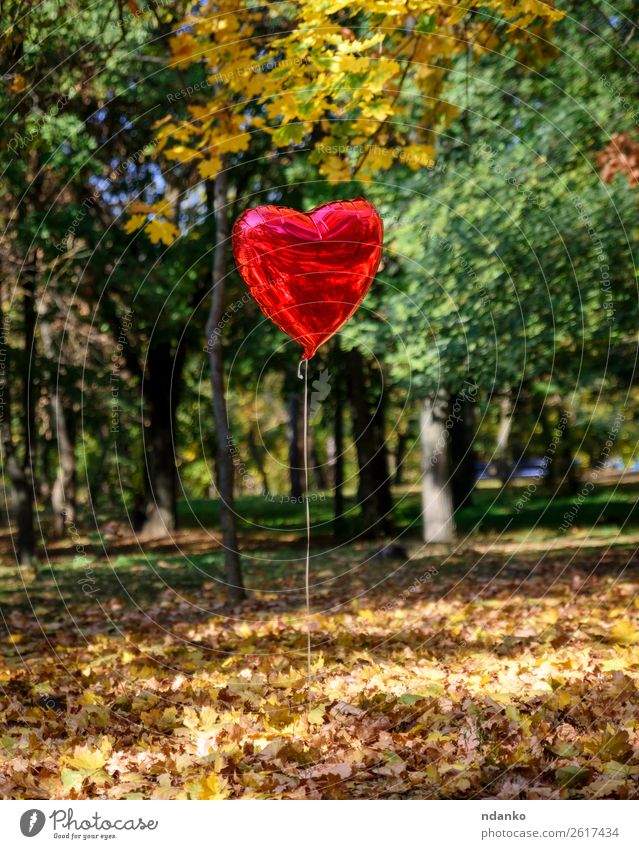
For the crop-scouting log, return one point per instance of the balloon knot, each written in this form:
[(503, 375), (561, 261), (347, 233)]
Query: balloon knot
[(299, 369)]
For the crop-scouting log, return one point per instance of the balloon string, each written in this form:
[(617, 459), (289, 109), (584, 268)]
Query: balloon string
[(308, 532)]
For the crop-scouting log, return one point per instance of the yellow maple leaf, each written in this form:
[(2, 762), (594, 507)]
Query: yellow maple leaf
[(417, 156), (134, 223), (185, 49), (161, 230), (210, 167), (335, 169), (212, 787), (624, 632), (233, 144), (90, 759), (180, 153)]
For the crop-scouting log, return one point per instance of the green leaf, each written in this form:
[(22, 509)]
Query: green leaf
[(410, 699), (572, 776), (72, 779), (426, 24)]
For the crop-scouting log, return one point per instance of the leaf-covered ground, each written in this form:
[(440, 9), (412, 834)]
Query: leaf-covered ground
[(505, 670)]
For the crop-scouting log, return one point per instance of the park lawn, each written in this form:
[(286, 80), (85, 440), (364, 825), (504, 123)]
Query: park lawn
[(506, 668), (493, 510)]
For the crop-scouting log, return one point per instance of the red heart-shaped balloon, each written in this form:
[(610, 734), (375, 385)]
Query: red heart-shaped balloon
[(309, 271)]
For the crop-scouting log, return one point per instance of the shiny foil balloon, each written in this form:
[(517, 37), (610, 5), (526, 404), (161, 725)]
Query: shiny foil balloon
[(309, 271)]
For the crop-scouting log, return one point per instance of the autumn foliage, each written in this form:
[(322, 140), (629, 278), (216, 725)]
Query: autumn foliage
[(620, 156), (474, 429), (447, 681), (362, 85)]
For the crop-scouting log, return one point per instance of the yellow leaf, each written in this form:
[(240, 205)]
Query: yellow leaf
[(161, 230), (87, 758), (18, 84), (185, 49), (624, 632), (335, 169), (90, 698), (212, 786), (71, 779), (418, 156), (137, 206), (210, 167), (134, 223), (316, 715), (180, 153), (614, 664)]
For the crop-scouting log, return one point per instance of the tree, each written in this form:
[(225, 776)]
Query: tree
[(511, 252), (339, 80), (225, 472)]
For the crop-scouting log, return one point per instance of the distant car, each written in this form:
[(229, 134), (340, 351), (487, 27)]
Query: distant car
[(485, 471), (530, 469), (533, 468)]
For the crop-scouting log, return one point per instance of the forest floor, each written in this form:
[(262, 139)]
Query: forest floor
[(505, 667)]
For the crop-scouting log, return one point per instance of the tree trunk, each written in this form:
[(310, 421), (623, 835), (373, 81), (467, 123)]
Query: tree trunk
[(373, 492), (399, 457), (437, 501), (548, 431), (336, 449), (461, 412), (15, 471), (362, 437), (338, 473), (503, 437), (225, 469), (258, 459), (293, 435), (97, 479), (64, 490), (45, 484), (567, 469), (381, 466), (160, 389), (317, 464), (28, 384)]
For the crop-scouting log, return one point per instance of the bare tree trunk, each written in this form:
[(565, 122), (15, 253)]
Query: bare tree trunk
[(399, 456), (373, 492), (161, 391), (64, 490), (225, 469), (462, 455), (97, 479), (437, 501), (293, 434), (26, 510), (361, 435), (338, 473), (381, 470), (336, 446), (43, 492), (28, 384), (567, 469), (318, 464), (503, 437), (258, 458), (16, 471)]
